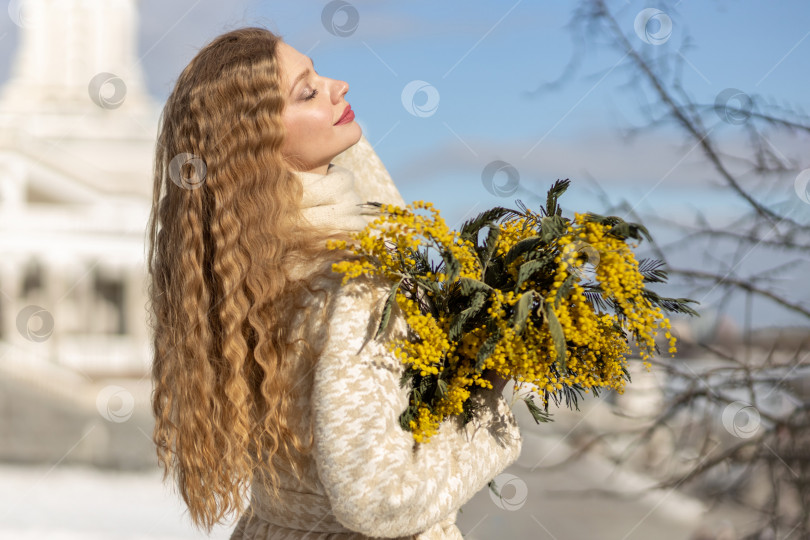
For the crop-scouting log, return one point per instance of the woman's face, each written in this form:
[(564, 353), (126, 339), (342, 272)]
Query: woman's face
[(313, 107)]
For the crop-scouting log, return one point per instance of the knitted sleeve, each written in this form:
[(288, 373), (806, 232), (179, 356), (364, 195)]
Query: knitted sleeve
[(378, 481)]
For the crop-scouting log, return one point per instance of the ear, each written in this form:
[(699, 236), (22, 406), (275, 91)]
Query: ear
[(372, 181)]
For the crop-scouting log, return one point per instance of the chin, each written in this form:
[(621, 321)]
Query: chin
[(355, 137)]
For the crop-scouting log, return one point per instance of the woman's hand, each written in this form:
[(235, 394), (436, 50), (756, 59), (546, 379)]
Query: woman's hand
[(497, 381)]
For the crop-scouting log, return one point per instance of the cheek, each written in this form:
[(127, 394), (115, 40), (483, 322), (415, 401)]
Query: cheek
[(297, 128), (292, 129), (314, 119), (305, 126)]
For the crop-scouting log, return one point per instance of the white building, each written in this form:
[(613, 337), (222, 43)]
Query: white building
[(77, 135)]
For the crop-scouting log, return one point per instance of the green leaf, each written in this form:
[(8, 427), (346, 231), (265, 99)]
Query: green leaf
[(557, 335), (452, 268), (554, 193), (671, 305), (526, 270), (564, 289), (652, 270), (389, 304), (626, 230), (371, 204), (421, 261), (406, 417), (441, 388), (538, 414), (551, 227), (469, 230), (489, 246), (457, 323), (469, 286), (594, 296), (620, 228), (494, 488), (487, 347), (527, 244), (407, 376), (572, 395), (522, 311), (427, 284)]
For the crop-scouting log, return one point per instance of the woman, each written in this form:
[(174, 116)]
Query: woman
[(265, 376)]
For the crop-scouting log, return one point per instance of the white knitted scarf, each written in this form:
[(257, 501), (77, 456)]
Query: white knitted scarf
[(331, 199)]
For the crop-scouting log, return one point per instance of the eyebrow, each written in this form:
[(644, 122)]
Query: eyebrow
[(302, 75)]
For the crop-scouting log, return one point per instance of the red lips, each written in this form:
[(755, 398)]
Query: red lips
[(347, 116)]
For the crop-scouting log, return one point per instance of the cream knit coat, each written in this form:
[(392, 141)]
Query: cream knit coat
[(366, 478)]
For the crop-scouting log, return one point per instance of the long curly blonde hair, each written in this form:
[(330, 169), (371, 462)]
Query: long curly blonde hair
[(222, 241)]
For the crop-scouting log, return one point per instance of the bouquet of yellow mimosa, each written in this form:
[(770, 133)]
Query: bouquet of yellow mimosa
[(540, 299)]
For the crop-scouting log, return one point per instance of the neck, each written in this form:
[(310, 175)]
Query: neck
[(320, 169)]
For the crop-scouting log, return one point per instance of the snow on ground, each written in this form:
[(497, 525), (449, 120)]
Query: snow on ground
[(73, 502)]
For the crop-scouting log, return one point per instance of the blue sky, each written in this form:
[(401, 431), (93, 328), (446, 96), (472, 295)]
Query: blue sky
[(483, 59)]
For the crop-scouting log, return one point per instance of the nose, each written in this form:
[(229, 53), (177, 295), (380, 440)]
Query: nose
[(339, 89)]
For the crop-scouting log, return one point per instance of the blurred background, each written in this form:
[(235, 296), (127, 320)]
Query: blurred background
[(690, 117)]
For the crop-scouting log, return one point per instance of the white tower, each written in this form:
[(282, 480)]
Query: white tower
[(77, 136), (76, 82)]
